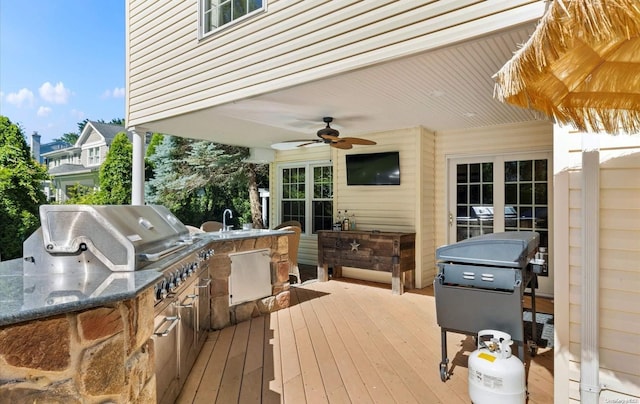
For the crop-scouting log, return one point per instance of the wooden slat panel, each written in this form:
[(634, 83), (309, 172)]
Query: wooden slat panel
[(208, 391)]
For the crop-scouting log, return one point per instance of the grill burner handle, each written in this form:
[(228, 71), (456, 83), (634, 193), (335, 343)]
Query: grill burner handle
[(159, 255)]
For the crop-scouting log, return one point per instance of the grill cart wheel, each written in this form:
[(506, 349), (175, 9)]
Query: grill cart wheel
[(444, 374)]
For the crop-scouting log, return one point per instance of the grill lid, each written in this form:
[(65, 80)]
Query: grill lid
[(121, 237), (511, 249)]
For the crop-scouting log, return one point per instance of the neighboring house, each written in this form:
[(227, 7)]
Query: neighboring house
[(415, 77), (76, 168), (37, 149)]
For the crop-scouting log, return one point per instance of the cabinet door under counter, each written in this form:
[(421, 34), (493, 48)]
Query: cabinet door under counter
[(379, 251)]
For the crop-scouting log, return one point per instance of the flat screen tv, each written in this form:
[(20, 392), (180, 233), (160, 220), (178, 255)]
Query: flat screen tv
[(373, 168)]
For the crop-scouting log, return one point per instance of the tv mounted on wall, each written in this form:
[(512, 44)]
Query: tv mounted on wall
[(373, 168)]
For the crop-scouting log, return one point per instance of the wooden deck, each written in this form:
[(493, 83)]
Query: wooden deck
[(344, 341)]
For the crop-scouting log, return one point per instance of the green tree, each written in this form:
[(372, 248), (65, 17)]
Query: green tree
[(114, 121), (20, 190), (115, 172), (82, 124), (197, 180), (70, 138)]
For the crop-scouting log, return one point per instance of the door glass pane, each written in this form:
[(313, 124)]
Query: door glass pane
[(474, 200), (526, 197), (322, 202)]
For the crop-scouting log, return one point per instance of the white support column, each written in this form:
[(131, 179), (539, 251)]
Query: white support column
[(137, 169), (590, 299), (264, 195)]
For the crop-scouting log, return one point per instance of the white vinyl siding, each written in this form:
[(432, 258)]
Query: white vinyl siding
[(171, 72), (619, 274)]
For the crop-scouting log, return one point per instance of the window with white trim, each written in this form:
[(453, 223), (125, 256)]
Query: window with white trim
[(215, 14), (306, 195), (94, 156)]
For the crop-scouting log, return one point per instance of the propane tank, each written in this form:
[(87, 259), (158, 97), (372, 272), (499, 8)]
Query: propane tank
[(496, 376)]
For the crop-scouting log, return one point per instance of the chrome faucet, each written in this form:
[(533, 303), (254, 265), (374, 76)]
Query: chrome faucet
[(224, 220)]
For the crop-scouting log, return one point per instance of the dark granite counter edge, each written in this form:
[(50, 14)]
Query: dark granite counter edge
[(143, 280)]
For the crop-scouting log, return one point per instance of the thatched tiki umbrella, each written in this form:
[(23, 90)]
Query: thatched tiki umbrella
[(581, 66)]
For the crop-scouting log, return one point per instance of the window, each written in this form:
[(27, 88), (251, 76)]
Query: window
[(94, 156), (218, 13), (307, 196)]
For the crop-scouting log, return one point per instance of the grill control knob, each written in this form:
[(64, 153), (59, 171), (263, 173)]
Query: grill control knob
[(160, 290), (161, 293)]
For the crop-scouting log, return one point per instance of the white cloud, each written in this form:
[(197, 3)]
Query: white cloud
[(44, 111), (54, 94), (22, 97), (117, 92), (79, 115)]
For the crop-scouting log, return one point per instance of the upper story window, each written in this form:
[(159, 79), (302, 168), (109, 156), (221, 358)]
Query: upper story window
[(218, 13), (94, 156)]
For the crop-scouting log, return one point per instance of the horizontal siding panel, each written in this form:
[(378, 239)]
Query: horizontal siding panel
[(622, 219), (622, 341), (621, 260), (626, 281), (620, 240), (616, 198), (623, 178), (616, 383), (613, 320), (625, 365)]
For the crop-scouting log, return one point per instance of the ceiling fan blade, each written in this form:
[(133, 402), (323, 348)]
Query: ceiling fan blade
[(357, 140), (332, 138), (341, 145), (310, 142)]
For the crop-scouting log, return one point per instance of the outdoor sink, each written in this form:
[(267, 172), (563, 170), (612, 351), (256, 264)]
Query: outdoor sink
[(232, 234)]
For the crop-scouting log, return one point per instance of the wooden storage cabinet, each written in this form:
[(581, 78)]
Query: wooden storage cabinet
[(378, 251)]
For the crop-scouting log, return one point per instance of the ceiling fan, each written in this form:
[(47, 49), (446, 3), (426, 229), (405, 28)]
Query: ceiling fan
[(330, 136)]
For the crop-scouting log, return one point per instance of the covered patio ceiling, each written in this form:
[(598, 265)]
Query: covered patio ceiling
[(449, 88)]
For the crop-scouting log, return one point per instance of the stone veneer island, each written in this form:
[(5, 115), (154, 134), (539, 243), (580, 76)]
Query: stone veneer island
[(97, 347)]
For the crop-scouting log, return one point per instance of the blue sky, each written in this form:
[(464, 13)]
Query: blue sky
[(61, 61)]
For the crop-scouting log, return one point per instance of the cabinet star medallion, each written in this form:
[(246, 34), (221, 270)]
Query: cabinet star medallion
[(354, 246)]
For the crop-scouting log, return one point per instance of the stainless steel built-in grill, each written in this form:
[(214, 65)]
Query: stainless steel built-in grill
[(480, 285), (120, 238)]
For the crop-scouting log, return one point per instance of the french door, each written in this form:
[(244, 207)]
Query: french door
[(499, 193)]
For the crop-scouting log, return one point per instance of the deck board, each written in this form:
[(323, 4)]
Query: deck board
[(345, 341)]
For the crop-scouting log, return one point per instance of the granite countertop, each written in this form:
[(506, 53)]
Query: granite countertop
[(31, 295), (27, 297)]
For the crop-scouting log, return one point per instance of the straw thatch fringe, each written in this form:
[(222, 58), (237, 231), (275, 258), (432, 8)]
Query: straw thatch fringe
[(566, 25)]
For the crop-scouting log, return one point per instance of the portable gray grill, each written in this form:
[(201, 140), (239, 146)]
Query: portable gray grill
[(480, 285)]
